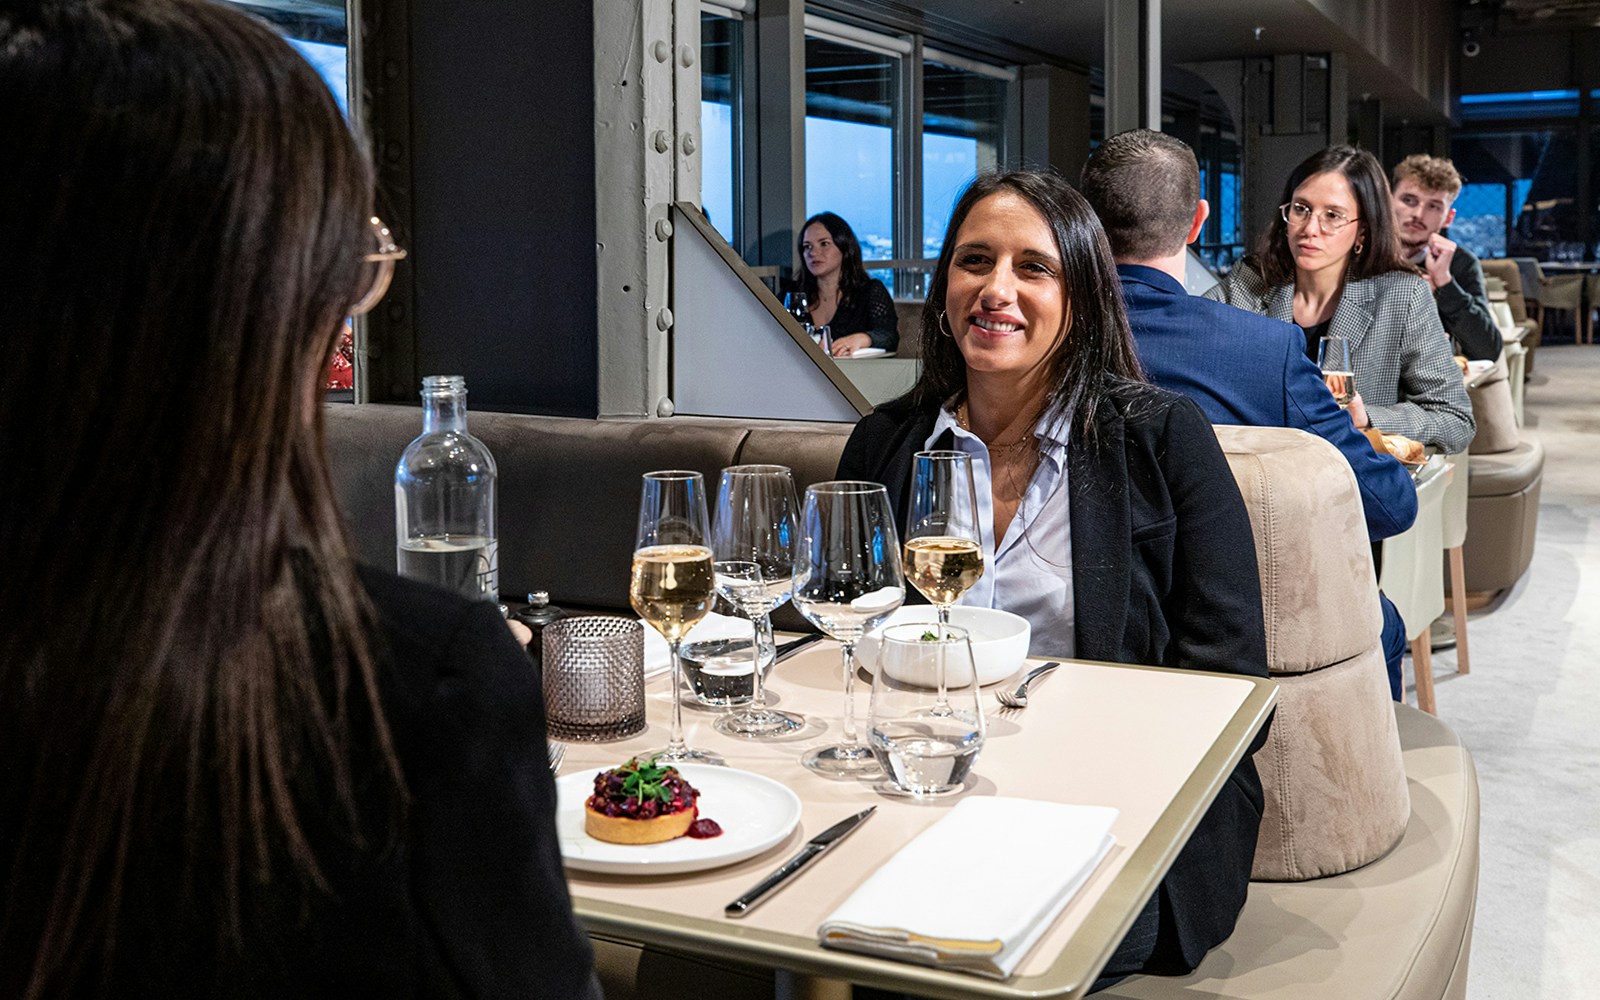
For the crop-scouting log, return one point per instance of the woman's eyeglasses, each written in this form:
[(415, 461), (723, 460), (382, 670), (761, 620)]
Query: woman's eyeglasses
[(1299, 214), (378, 266)]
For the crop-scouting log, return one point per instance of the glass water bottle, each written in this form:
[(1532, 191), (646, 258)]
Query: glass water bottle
[(444, 499)]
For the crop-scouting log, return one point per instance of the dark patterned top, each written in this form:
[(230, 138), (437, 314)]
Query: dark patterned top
[(870, 312)]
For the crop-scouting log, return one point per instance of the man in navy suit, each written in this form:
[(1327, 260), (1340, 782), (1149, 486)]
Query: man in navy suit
[(1242, 368)]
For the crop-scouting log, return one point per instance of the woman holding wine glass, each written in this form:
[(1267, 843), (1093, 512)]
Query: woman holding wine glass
[(1107, 513), (1331, 263)]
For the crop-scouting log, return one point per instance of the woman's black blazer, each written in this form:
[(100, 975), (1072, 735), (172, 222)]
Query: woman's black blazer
[(1163, 573)]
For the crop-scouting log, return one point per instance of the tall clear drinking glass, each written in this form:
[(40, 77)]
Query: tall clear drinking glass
[(672, 584), (944, 543), (753, 537), (847, 580)]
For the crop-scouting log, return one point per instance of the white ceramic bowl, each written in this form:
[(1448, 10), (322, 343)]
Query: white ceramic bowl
[(999, 638)]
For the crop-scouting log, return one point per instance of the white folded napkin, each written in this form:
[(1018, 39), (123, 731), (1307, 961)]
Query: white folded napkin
[(658, 657), (945, 899)]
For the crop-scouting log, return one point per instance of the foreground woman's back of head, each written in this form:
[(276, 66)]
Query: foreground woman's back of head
[(182, 661)]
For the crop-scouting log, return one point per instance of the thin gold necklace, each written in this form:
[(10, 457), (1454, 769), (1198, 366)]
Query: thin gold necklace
[(1025, 441)]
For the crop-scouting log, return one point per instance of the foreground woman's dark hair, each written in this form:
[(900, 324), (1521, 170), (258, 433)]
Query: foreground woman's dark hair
[(190, 736), (186, 646)]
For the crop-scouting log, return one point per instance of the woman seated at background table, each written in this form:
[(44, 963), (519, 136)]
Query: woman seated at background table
[(856, 308), (1331, 262), (234, 765), (1112, 522)]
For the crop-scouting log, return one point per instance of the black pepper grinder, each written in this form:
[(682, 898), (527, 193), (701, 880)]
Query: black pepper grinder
[(539, 613)]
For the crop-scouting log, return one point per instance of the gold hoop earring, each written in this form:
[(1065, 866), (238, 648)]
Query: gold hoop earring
[(944, 327)]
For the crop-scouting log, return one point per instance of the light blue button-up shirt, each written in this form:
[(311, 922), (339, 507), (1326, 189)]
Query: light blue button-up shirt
[(1031, 574)]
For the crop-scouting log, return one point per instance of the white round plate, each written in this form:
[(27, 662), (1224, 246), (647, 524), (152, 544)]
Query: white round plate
[(755, 813), (869, 352)]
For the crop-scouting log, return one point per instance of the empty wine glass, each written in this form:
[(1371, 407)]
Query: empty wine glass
[(1333, 357), (672, 584), (847, 580), (754, 540), (799, 308), (925, 726)]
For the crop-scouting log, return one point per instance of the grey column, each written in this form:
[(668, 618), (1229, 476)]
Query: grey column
[(908, 179), (1054, 119), (778, 138), (1133, 65)]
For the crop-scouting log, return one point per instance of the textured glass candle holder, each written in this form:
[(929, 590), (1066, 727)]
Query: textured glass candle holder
[(594, 678)]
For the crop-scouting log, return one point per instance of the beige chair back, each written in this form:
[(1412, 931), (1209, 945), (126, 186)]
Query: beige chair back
[(1331, 769), (1494, 411)]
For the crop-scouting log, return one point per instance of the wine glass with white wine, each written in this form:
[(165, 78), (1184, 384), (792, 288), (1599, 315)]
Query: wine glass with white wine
[(754, 540), (944, 543), (672, 585), (1333, 357), (847, 580)]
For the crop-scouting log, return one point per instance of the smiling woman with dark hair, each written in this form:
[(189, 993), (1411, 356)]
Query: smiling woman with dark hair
[(234, 764), (1109, 517)]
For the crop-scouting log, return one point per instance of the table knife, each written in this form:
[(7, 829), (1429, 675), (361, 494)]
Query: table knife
[(815, 848), (793, 646)]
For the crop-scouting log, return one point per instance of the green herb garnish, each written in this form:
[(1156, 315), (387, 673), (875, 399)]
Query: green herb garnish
[(928, 636), (646, 780)]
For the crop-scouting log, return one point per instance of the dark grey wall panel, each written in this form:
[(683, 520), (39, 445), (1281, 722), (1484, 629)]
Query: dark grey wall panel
[(501, 199)]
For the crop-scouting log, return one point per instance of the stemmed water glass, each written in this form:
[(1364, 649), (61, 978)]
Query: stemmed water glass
[(847, 580), (672, 584), (944, 544), (1333, 357), (754, 542)]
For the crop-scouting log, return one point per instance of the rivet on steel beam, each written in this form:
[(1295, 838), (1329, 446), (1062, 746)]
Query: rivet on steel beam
[(661, 141), (688, 144), (685, 56), (664, 319), (663, 229), (662, 51)]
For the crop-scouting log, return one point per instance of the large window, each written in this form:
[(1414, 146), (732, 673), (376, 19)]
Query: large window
[(720, 40), (850, 133), (963, 131), (317, 30), (1521, 196)]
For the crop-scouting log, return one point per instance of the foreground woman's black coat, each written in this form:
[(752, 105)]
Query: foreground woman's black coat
[(1163, 573), (467, 898)]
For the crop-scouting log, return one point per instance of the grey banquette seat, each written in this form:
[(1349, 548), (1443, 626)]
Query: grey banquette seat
[(1367, 868)]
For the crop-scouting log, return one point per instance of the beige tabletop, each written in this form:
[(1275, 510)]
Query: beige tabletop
[(1156, 744)]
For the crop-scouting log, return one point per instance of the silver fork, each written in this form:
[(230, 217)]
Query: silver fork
[(558, 753), (1019, 697)]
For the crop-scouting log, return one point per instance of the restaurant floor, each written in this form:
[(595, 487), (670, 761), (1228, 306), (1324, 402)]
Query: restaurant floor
[(1530, 713)]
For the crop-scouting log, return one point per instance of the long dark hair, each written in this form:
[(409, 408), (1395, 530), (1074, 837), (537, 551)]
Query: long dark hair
[(1381, 240), (1095, 356), (184, 673), (853, 278)]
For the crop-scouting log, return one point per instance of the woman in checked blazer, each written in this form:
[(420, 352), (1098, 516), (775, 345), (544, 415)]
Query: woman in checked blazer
[(1331, 263)]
